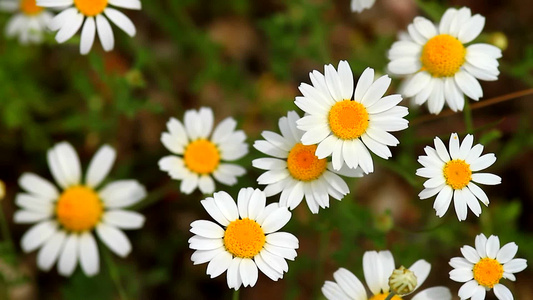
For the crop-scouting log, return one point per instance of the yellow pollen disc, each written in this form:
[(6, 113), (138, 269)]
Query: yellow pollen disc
[(303, 164), (457, 173), (383, 296), (79, 208), (91, 8), (488, 272), (29, 7), (244, 238), (348, 119), (443, 55), (202, 156)]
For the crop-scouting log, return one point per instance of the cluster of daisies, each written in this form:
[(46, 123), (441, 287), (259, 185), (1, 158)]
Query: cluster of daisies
[(32, 19), (344, 125)]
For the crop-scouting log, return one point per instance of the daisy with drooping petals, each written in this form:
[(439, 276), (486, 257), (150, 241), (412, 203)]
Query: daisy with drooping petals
[(70, 20), (483, 267), (346, 128), (246, 239), (295, 171), (202, 156), (29, 22), (360, 5), (377, 268), (66, 219), (451, 175), (438, 65)]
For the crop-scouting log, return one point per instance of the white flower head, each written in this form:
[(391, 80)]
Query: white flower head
[(93, 15), (201, 152), (29, 22), (360, 5), (451, 175), (438, 65), (482, 268), (377, 268), (66, 219), (245, 239), (346, 128), (295, 171)]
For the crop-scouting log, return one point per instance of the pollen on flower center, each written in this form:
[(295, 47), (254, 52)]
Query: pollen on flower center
[(91, 8), (303, 164), (202, 156), (348, 119), (457, 174), (79, 208), (29, 7), (488, 272), (244, 238), (383, 296), (443, 55)]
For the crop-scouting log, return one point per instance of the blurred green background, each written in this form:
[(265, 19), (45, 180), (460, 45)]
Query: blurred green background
[(246, 59)]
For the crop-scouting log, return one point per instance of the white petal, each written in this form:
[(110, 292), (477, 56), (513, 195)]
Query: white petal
[(331, 290), (364, 82), (434, 293), (226, 205), (425, 27), (38, 186), (100, 165), (481, 245), (88, 33), (105, 33), (114, 239), (129, 4), (376, 91), (486, 178), (346, 80), (213, 210), (120, 20), (248, 271), (276, 220), (64, 164), (89, 259), (70, 27), (461, 275), (421, 269), (469, 85), (206, 184), (471, 29), (506, 253), (124, 219), (350, 284), (203, 256), (49, 253), (283, 239), (122, 193), (502, 292), (207, 229), (37, 235), (470, 254), (233, 277), (515, 265), (69, 256), (219, 264)]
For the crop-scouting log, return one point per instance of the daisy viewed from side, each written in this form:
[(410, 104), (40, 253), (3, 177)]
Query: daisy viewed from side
[(295, 171), (438, 65), (346, 128), (451, 175), (360, 5), (200, 153), (66, 219), (245, 239), (29, 21), (93, 14), (482, 268), (377, 268)]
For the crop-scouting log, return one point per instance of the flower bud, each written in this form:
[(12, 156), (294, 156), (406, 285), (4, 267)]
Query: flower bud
[(2, 190), (402, 281)]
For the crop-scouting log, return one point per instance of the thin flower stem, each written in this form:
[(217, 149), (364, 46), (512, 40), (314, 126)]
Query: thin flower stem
[(114, 273), (392, 294), (235, 295), (467, 112)]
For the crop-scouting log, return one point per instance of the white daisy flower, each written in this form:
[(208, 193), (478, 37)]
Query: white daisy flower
[(360, 5), (482, 268), (295, 171), (66, 219), (438, 65), (377, 268), (245, 240), (345, 127), (451, 175), (29, 21), (200, 153), (75, 12)]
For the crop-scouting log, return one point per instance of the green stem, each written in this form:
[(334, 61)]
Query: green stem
[(114, 273), (468, 117), (392, 294), (5, 228), (235, 295)]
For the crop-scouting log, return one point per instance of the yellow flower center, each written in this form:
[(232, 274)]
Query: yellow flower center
[(79, 208), (202, 156), (29, 7), (443, 55), (488, 272), (383, 296), (348, 119), (244, 238), (91, 8), (457, 173), (303, 164)]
